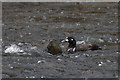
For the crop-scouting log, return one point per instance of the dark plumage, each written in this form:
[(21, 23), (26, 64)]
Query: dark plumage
[(83, 47)]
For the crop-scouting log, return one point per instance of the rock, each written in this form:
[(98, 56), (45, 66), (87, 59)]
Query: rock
[(54, 47)]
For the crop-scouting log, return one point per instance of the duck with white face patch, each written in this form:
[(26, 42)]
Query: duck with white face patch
[(72, 47)]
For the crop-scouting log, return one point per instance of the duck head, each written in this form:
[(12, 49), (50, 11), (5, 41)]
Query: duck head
[(71, 41)]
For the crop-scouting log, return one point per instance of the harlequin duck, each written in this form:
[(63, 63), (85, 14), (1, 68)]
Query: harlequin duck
[(72, 46)]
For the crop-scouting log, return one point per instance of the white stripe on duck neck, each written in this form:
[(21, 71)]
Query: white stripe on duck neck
[(73, 49)]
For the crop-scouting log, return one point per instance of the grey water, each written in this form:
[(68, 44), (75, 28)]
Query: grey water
[(30, 26)]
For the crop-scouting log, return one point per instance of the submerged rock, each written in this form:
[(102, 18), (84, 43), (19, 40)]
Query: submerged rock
[(54, 47)]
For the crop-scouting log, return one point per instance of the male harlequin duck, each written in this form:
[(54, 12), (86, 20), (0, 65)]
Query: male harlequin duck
[(72, 47)]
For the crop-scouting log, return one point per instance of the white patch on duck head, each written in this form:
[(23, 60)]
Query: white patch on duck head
[(71, 39), (66, 40)]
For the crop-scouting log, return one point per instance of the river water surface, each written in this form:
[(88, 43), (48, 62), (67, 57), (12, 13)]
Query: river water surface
[(27, 28)]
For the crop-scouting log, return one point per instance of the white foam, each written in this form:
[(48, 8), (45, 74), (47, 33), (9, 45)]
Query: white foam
[(59, 59), (41, 61), (13, 49), (101, 63), (80, 42)]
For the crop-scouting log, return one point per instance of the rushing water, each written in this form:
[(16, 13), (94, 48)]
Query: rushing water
[(27, 28)]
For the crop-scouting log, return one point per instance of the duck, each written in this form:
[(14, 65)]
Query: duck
[(72, 46)]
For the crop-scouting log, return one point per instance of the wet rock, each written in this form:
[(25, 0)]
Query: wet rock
[(54, 47)]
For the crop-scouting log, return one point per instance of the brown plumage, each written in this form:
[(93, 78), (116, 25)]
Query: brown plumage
[(85, 47)]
